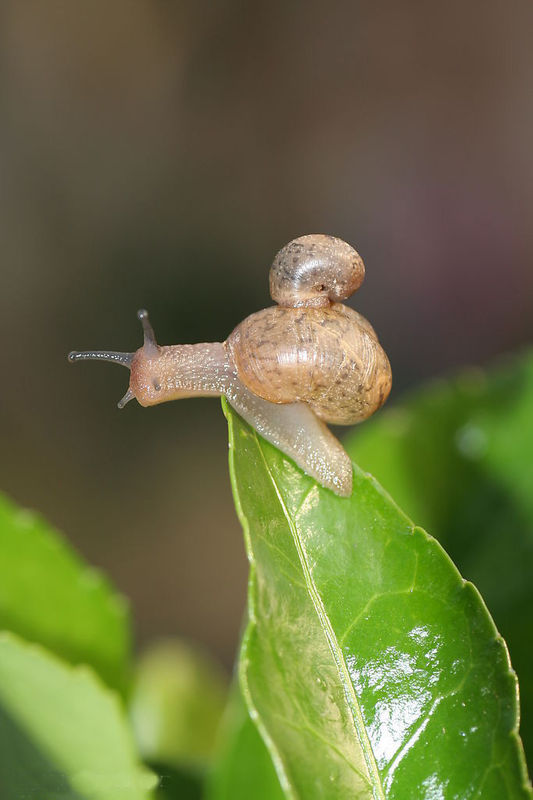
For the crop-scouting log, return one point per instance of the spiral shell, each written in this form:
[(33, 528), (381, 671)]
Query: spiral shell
[(327, 357), (315, 270)]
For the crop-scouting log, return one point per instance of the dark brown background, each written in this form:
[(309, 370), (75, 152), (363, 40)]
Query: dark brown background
[(158, 154)]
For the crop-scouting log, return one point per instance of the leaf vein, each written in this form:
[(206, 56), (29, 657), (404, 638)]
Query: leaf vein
[(349, 692)]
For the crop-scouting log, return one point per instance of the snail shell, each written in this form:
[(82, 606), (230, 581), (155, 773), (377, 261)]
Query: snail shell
[(315, 270), (329, 358), (314, 351)]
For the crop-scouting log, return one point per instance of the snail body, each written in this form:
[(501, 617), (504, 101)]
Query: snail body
[(287, 369)]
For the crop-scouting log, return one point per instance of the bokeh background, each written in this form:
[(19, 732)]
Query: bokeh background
[(158, 154)]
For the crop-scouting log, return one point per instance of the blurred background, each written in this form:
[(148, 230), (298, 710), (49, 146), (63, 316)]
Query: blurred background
[(157, 154)]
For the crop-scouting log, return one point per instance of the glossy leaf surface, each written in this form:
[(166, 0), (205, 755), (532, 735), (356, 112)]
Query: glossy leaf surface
[(63, 734), (48, 595), (458, 457), (371, 668)]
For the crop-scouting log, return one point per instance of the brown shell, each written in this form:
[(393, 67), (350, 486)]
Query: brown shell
[(315, 270), (327, 357)]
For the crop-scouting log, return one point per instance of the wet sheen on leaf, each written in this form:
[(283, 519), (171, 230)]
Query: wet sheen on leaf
[(370, 667), (457, 456)]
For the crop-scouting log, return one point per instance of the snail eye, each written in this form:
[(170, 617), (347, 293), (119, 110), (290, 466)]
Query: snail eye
[(156, 385)]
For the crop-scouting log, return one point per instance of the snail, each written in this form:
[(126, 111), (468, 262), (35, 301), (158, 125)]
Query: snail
[(288, 369)]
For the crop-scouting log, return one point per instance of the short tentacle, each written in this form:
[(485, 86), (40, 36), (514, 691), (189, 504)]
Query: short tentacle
[(126, 399)]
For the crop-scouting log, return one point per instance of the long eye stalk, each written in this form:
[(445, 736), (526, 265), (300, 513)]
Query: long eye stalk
[(150, 343), (102, 355), (125, 359)]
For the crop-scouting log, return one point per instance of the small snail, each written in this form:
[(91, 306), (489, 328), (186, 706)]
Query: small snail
[(287, 369)]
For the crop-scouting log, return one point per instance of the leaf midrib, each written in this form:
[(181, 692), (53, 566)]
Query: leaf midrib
[(254, 714), (351, 697)]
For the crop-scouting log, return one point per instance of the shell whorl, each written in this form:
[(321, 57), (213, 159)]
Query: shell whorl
[(315, 270), (329, 358)]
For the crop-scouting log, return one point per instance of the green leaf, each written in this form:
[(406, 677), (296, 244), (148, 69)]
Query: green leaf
[(48, 595), (371, 668), (63, 735), (243, 768), (176, 704), (458, 457)]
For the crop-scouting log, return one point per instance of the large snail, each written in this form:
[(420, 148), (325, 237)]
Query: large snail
[(288, 369)]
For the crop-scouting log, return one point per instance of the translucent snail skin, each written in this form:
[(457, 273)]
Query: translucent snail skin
[(288, 369)]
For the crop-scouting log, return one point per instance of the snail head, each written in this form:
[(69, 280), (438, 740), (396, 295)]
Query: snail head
[(143, 365)]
